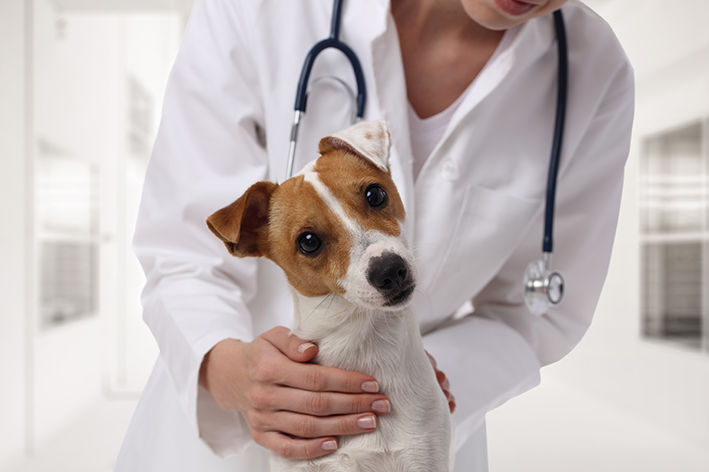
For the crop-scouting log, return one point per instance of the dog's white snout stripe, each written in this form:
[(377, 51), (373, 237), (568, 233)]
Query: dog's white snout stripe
[(331, 201)]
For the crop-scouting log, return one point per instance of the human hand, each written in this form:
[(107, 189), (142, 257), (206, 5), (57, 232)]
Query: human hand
[(280, 396), (443, 382)]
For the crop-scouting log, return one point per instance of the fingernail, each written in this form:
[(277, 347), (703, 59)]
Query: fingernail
[(367, 422), (329, 445), (381, 406), (304, 347), (370, 386)]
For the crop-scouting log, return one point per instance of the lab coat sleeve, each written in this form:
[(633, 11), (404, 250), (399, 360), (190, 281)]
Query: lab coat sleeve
[(497, 351), (207, 152)]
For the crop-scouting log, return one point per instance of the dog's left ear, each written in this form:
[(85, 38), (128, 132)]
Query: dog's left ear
[(243, 225), (369, 140)]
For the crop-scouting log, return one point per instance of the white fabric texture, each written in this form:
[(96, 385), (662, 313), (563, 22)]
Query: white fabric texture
[(474, 214), (425, 133)]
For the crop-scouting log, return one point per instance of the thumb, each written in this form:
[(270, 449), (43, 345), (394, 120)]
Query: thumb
[(295, 348)]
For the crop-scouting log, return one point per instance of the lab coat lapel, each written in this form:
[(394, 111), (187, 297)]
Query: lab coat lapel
[(457, 260)]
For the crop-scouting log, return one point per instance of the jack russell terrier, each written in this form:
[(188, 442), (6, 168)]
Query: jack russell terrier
[(337, 231)]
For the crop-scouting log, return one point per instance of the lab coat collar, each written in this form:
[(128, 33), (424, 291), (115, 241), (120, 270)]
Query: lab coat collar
[(534, 39)]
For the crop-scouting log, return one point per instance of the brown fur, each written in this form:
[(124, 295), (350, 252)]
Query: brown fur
[(268, 219), (310, 275), (348, 176), (244, 223)]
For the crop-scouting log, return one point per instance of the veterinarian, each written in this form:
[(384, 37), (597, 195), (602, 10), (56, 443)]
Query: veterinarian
[(468, 90)]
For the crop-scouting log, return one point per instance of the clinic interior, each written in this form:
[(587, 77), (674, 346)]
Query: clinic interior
[(81, 86)]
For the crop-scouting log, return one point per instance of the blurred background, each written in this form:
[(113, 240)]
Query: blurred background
[(81, 84)]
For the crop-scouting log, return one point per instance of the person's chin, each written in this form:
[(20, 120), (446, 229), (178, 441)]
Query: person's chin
[(490, 15), (514, 8)]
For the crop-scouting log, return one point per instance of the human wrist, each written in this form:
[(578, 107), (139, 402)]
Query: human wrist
[(210, 362)]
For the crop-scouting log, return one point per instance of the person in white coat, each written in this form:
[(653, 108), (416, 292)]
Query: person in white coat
[(468, 91)]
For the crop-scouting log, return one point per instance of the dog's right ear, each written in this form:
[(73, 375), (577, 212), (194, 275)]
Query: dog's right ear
[(243, 225), (368, 139)]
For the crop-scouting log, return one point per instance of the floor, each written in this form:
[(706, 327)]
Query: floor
[(90, 444), (553, 428)]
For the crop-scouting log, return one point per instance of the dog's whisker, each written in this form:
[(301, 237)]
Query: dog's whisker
[(320, 304), (330, 305), (294, 287)]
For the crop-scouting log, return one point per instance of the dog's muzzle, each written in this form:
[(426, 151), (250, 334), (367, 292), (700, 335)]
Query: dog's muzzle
[(390, 275)]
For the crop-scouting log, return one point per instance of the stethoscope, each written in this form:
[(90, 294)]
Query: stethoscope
[(543, 286)]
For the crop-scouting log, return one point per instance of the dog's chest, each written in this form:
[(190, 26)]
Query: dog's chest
[(415, 435)]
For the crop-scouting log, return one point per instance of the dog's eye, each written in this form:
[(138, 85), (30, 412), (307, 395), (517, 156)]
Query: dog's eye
[(309, 243), (376, 196)]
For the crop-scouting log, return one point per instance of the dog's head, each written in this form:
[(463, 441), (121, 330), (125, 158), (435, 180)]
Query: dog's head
[(336, 227)]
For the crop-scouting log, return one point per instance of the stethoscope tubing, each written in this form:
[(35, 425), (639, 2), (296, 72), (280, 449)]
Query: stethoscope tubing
[(333, 41), (557, 140), (539, 280), (301, 94)]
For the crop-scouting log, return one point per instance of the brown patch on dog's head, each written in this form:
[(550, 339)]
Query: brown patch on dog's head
[(348, 176), (270, 220), (298, 210)]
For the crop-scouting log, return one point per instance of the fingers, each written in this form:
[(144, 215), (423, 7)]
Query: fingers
[(310, 377), (296, 448), (328, 379), (305, 426), (296, 349), (314, 378), (270, 429), (443, 380), (320, 403), (444, 383)]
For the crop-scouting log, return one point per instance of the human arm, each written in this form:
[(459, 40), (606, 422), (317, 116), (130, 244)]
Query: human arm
[(500, 348), (197, 298)]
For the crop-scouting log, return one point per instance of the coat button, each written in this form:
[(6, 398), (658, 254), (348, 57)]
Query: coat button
[(449, 169)]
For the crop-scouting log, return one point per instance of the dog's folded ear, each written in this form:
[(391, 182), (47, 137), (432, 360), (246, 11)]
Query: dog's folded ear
[(243, 225), (369, 140)]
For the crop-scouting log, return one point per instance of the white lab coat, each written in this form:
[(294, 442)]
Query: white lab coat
[(474, 215)]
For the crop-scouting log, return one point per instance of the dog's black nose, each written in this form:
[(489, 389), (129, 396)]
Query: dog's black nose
[(387, 272)]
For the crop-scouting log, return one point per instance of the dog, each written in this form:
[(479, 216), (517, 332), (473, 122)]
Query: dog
[(337, 231)]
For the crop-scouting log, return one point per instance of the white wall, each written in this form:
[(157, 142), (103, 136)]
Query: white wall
[(80, 106), (75, 82), (74, 93), (13, 235), (668, 44)]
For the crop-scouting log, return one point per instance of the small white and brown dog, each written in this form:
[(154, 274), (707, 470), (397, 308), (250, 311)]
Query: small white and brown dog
[(336, 229)]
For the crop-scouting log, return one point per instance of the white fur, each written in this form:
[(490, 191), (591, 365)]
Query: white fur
[(326, 195), (360, 333), (375, 149), (369, 245), (417, 434)]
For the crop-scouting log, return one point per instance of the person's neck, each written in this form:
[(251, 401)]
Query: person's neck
[(442, 50), (428, 22)]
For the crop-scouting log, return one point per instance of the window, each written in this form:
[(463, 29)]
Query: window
[(67, 200), (673, 203)]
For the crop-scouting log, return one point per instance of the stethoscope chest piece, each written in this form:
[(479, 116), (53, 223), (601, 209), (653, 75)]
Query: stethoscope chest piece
[(543, 287)]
